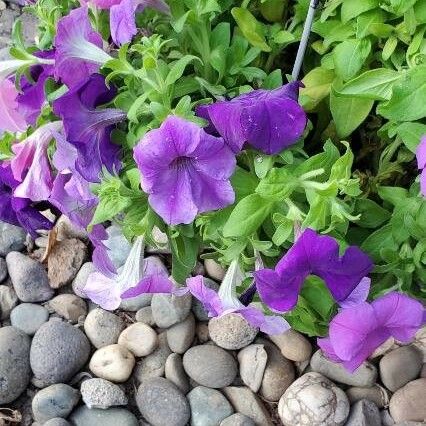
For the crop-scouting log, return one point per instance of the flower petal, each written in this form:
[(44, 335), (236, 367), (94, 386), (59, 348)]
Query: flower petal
[(208, 297), (11, 119)]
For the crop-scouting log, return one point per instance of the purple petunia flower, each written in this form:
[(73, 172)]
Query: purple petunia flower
[(269, 120), (89, 128), (226, 301), (122, 16), (421, 161), (318, 255), (184, 170), (18, 211), (79, 50), (356, 332), (11, 119), (31, 166)]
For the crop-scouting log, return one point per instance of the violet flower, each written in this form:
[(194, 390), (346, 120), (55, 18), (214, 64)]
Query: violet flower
[(79, 50), (318, 255), (11, 119), (122, 16), (356, 332), (226, 301), (108, 291), (31, 166), (18, 211), (89, 128), (421, 161), (269, 120), (184, 170)]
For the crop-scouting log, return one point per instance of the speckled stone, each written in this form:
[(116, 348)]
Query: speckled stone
[(100, 393)]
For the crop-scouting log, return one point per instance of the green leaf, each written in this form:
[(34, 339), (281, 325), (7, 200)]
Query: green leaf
[(247, 216), (367, 23), (351, 9), (349, 56), (277, 185), (410, 133), (373, 84), (408, 98), (177, 69), (389, 47), (317, 86), (392, 194), (250, 27), (372, 215), (379, 240), (348, 113)]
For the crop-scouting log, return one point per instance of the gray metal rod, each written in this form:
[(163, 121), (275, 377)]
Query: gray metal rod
[(304, 39)]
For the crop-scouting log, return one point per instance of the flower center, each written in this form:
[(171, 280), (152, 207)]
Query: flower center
[(180, 163)]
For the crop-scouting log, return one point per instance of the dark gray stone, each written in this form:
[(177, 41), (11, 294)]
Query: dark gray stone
[(3, 270), (84, 416), (14, 363), (364, 413), (29, 278), (29, 317), (58, 352), (12, 238), (168, 309), (181, 335)]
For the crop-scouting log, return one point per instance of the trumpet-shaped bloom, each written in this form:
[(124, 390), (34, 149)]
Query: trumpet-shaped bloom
[(122, 16), (269, 120), (318, 255), (88, 128), (108, 291), (421, 161), (184, 170), (356, 332), (79, 50), (18, 211), (226, 301), (11, 119), (31, 166)]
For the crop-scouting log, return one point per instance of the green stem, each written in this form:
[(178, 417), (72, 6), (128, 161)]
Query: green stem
[(245, 4)]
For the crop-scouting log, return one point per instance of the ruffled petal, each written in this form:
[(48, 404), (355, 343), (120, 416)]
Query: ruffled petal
[(11, 119), (208, 297)]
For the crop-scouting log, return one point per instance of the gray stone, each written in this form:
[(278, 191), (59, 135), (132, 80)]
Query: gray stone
[(181, 335), (144, 315), (315, 401), (364, 413), (407, 403), (64, 261), (54, 401), (252, 360), (12, 238), (14, 363), (29, 317), (237, 419), (197, 307), (100, 393), (3, 269), (202, 332), (154, 364), (8, 300), (162, 403), (168, 309), (208, 406), (113, 362), (174, 372), (248, 403), (58, 352), (67, 229), (103, 328), (69, 306), (376, 394), (386, 418), (293, 345), (400, 366), (118, 246), (231, 331), (214, 270), (57, 421), (29, 278), (84, 416), (210, 366), (279, 373), (80, 280), (138, 338), (133, 304), (365, 375)]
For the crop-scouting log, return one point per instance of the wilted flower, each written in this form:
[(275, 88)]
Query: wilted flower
[(137, 272), (184, 170), (88, 128), (357, 331), (318, 255), (11, 119), (31, 165), (226, 301), (269, 120), (78, 48), (18, 211), (421, 161), (122, 16)]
